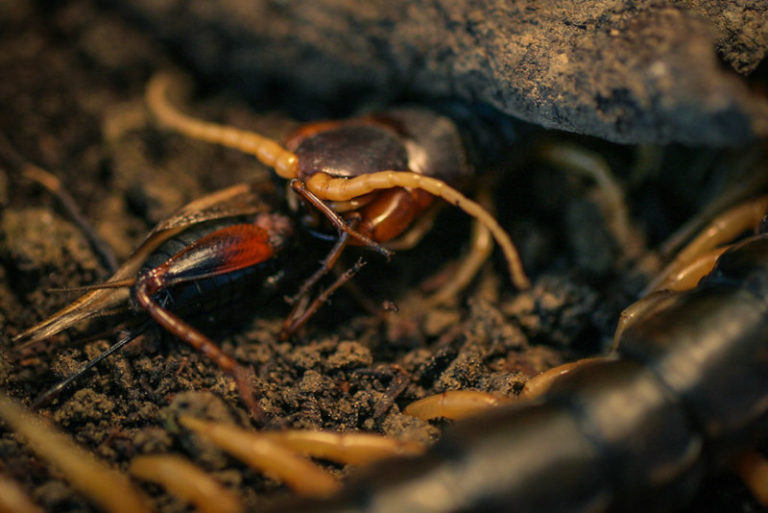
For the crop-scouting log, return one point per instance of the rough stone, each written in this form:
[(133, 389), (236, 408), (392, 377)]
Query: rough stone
[(643, 71)]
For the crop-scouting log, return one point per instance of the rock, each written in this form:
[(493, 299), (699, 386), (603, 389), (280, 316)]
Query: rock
[(630, 72)]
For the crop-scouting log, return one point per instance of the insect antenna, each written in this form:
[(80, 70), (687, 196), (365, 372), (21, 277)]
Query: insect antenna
[(58, 388), (53, 185), (126, 283)]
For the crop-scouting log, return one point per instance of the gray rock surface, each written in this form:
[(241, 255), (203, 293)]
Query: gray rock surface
[(640, 71)]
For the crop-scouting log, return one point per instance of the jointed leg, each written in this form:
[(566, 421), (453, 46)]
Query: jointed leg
[(417, 231), (283, 453), (481, 248), (300, 299), (575, 159), (459, 404), (677, 281), (260, 453), (187, 481), (225, 250), (342, 189), (721, 230), (454, 404), (746, 175), (285, 164), (325, 266), (694, 262), (638, 310), (301, 188), (541, 383), (353, 448), (109, 489), (689, 276), (297, 320), (196, 339)]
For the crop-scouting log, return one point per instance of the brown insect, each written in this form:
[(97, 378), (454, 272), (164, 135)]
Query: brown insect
[(217, 246)]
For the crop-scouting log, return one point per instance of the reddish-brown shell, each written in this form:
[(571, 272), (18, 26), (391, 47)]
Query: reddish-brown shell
[(403, 139)]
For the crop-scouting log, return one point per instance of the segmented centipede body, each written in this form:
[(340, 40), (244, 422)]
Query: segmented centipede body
[(685, 393)]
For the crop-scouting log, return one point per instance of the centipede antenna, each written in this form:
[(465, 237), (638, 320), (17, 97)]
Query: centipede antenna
[(268, 151), (343, 189), (58, 388)]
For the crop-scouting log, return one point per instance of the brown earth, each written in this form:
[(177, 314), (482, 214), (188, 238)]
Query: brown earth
[(72, 103)]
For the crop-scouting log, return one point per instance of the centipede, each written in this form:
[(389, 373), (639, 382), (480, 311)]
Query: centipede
[(685, 393), (574, 405), (150, 414)]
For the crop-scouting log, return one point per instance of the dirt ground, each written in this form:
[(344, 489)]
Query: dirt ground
[(72, 103)]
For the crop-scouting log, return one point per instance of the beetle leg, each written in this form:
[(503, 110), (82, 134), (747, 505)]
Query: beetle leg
[(341, 189), (341, 225), (325, 266), (222, 251), (300, 299), (203, 344), (296, 321)]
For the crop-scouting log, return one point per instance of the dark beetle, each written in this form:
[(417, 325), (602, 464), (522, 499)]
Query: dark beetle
[(205, 254)]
